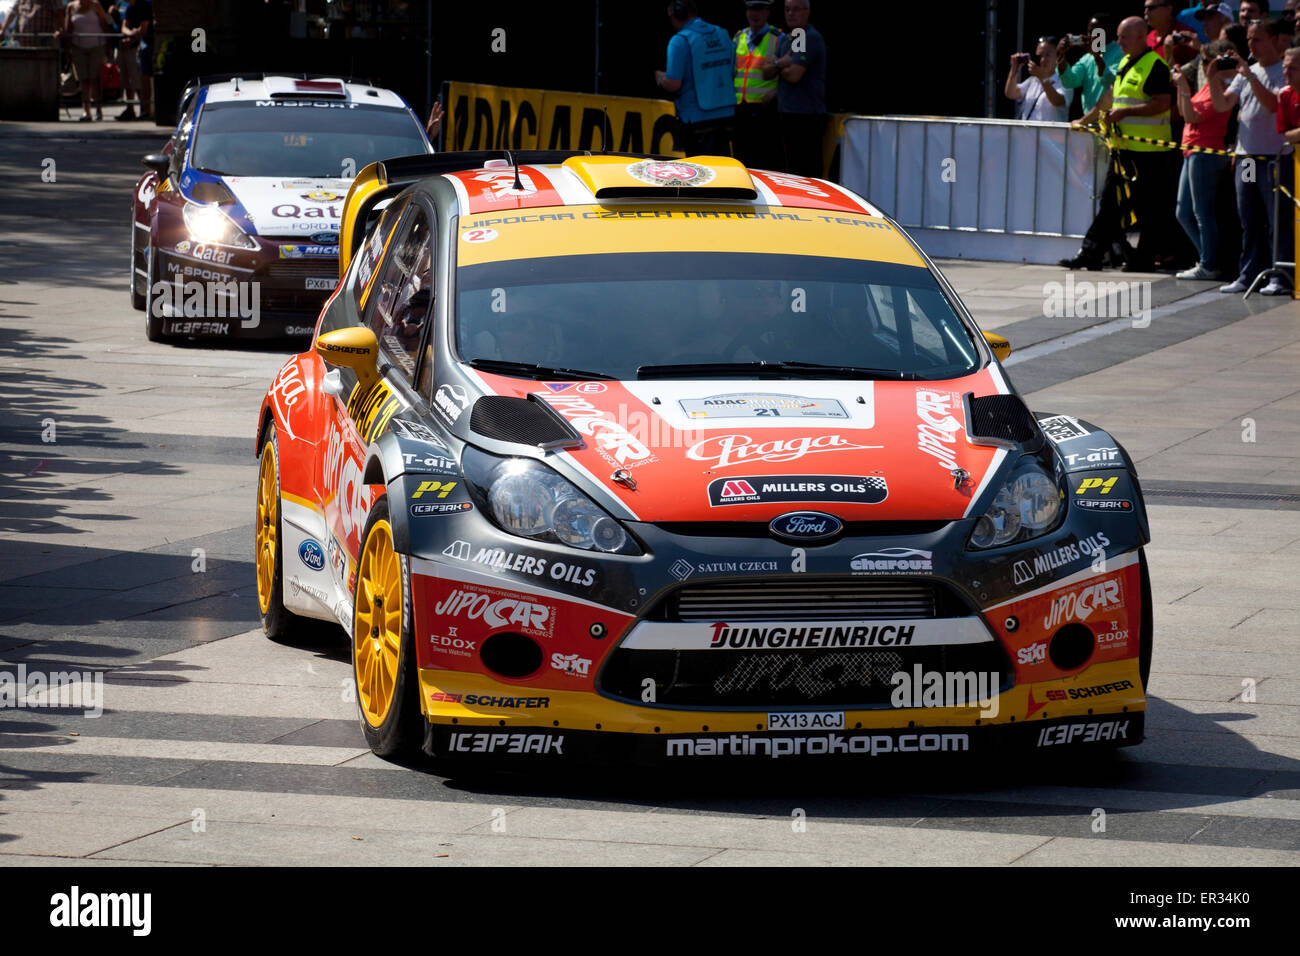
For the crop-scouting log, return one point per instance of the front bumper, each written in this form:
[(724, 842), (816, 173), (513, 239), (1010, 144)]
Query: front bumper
[(477, 719), (242, 294)]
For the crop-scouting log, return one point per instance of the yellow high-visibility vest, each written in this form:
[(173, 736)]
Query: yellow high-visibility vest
[(1127, 91), (750, 85)]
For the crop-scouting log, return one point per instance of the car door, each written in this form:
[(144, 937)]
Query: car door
[(389, 291)]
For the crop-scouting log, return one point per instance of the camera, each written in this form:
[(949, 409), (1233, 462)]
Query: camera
[(1177, 38), (1226, 62), (1022, 59), (1075, 39)]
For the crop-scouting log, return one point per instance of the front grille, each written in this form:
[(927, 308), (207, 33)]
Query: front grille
[(850, 679), (287, 269), (809, 599), (760, 529), (275, 297)]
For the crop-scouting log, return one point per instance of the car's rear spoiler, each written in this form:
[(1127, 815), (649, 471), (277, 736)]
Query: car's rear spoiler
[(384, 179)]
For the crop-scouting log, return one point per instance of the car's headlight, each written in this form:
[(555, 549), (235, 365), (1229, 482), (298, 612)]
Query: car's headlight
[(526, 498), (208, 224), (1029, 504)]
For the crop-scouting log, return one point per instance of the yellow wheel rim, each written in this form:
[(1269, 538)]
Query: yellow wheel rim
[(268, 526), (377, 627)]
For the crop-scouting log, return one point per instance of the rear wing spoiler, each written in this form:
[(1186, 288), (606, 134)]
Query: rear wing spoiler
[(383, 180)]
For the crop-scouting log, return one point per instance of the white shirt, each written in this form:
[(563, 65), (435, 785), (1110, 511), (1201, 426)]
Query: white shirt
[(1257, 127), (1034, 104)]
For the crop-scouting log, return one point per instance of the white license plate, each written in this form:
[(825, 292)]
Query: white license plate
[(806, 720), (326, 284)]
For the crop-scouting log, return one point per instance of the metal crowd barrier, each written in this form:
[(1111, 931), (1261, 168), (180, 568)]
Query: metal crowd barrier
[(1006, 190), (1278, 269)]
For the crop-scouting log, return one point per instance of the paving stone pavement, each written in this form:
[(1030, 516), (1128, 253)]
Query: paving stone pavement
[(126, 547)]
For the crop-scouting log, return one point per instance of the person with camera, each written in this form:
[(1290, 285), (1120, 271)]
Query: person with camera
[(1254, 89), (699, 75), (1137, 108), (1204, 126), (1093, 72), (1041, 95)]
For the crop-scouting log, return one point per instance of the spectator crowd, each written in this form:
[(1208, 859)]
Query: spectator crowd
[(1199, 107), (759, 94), (106, 46)]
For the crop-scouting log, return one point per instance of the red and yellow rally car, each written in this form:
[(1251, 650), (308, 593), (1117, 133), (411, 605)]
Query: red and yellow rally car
[(618, 458)]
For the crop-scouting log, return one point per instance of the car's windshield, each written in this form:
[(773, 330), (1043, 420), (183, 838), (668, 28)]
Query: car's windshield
[(617, 313), (320, 140)]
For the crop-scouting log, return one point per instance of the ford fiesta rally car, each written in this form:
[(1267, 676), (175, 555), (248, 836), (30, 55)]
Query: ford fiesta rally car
[(235, 227), (614, 458)]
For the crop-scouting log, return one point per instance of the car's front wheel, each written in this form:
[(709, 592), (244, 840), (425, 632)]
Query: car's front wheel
[(1146, 636), (279, 623), (137, 297), (383, 647), (153, 324)]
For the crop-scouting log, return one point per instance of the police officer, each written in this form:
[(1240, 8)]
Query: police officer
[(699, 75), (756, 129)]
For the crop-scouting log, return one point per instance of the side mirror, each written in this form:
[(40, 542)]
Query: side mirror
[(355, 348), (1000, 346), (160, 163)]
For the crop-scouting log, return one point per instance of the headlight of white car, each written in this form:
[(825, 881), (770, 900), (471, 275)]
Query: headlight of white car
[(208, 224), (1029, 504), (526, 498)]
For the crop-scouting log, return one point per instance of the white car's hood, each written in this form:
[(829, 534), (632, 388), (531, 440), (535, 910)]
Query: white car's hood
[(276, 206)]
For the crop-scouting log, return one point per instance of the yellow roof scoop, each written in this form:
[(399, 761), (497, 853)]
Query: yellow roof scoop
[(705, 177)]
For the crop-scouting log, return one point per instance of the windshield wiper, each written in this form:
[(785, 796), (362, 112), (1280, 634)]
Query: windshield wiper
[(528, 370), (211, 172), (771, 368)]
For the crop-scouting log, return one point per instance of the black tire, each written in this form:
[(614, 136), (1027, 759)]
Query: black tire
[(278, 622), (137, 297), (1146, 638), (401, 734), (153, 324)]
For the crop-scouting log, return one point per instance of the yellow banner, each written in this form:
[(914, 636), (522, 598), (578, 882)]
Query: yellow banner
[(503, 117)]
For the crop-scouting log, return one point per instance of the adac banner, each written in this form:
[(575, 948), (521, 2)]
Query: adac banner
[(504, 117)]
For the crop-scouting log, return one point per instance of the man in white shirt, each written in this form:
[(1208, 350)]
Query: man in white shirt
[(1042, 96)]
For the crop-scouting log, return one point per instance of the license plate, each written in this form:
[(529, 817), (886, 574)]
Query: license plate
[(806, 720), (326, 284)]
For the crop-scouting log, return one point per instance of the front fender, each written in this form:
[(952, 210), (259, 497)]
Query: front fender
[(290, 405), (1098, 469), (423, 478)]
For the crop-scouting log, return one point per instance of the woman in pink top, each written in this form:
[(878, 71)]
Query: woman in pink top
[(1198, 184), (83, 21)]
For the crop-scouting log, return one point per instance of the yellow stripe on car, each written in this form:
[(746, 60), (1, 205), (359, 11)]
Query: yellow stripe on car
[(706, 227)]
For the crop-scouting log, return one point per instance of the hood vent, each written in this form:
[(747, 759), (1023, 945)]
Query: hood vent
[(523, 421), (1000, 420)]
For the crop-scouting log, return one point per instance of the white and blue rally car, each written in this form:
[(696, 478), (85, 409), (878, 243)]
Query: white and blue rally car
[(235, 225)]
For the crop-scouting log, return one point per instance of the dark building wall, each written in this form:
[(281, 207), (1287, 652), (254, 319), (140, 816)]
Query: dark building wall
[(910, 58)]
